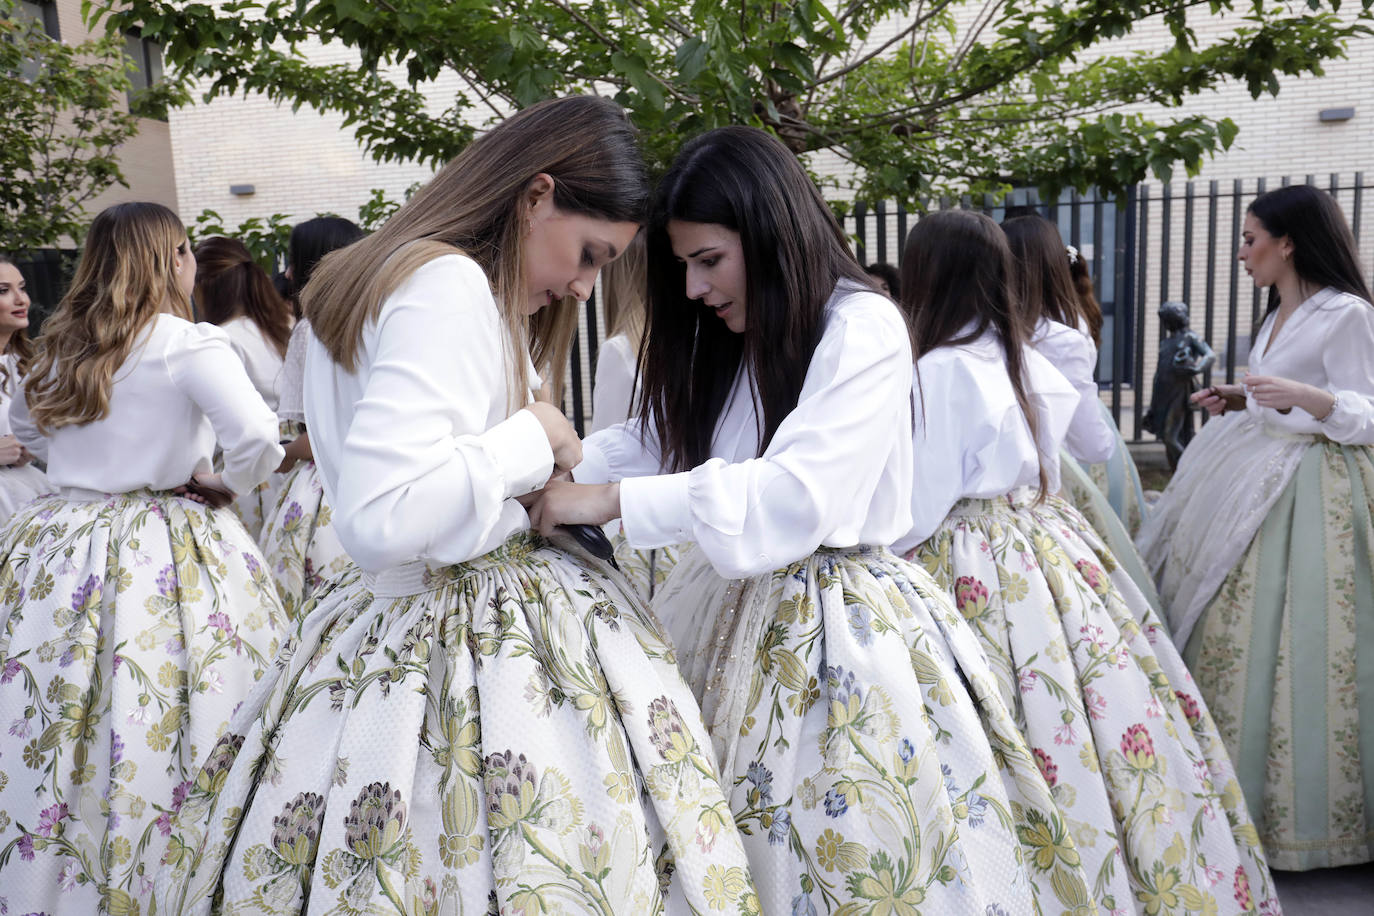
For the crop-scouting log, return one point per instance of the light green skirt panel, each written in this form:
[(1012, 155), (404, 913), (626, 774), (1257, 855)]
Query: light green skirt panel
[(1284, 655)]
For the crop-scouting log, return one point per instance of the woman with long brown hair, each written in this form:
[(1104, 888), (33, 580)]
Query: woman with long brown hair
[(1098, 690), (20, 481), (853, 714), (132, 619), (1263, 542), (235, 294), (1060, 330), (468, 720)]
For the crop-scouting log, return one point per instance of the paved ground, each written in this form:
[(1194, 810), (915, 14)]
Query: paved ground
[(1328, 891)]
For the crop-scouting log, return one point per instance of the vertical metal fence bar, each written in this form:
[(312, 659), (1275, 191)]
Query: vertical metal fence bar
[(1076, 221), (577, 405), (1310, 180), (1166, 212), (880, 213), (1052, 208), (1209, 319), (1233, 299), (1188, 202), (1097, 271), (592, 337), (1138, 370), (901, 231), (1335, 186), (1355, 208)]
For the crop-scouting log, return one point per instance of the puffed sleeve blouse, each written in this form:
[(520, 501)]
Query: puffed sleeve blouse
[(417, 449), (1091, 439), (836, 473), (181, 390), (1327, 342), (971, 438)]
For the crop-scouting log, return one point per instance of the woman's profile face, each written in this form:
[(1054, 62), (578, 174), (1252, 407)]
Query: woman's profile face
[(564, 250), (715, 270), (1267, 259), (184, 263), (14, 300)]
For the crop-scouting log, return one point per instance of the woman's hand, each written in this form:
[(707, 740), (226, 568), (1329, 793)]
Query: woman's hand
[(12, 453), (564, 503), (207, 489), (1283, 394), (567, 448), (1213, 399), (298, 449)]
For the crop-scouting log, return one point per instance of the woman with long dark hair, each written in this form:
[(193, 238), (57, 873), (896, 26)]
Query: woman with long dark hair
[(233, 292), (132, 620), (1100, 693), (1061, 330), (298, 536), (854, 717), (20, 481), (1263, 542), (473, 719)]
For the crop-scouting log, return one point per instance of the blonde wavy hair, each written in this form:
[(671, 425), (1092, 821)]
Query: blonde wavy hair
[(126, 276), (476, 205), (20, 347)]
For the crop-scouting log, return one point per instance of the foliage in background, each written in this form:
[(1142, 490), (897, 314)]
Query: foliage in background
[(969, 96), (64, 120), (265, 238)]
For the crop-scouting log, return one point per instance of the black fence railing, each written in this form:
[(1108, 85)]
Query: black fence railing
[(1154, 244)]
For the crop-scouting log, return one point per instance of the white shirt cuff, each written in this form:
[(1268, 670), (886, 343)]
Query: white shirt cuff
[(656, 511), (594, 466), (519, 449)]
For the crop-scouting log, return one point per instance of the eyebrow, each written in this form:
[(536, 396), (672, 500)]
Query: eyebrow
[(700, 251)]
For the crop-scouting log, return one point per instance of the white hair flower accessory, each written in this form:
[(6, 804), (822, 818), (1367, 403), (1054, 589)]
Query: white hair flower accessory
[(1072, 253)]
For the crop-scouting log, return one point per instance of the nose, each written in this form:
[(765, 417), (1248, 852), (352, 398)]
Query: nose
[(697, 287), (581, 288), (23, 298)]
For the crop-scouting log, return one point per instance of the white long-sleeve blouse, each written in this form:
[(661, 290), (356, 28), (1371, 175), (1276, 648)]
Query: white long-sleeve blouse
[(1071, 351), (836, 473), (615, 382), (971, 438), (181, 389), (415, 448), (259, 355)]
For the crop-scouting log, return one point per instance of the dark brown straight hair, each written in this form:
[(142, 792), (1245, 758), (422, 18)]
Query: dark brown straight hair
[(1324, 249), (795, 253), (956, 273), (229, 283), (1040, 272), (1088, 306)]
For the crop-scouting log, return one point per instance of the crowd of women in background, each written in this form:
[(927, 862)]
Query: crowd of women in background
[(293, 619)]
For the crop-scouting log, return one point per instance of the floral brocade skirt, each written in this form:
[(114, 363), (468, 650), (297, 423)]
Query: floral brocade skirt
[(871, 764), (298, 538), (131, 627), (1112, 716), (1098, 521), (647, 570), (1284, 654), (510, 734)]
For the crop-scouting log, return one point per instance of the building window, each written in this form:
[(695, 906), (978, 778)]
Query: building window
[(43, 11), (147, 69)]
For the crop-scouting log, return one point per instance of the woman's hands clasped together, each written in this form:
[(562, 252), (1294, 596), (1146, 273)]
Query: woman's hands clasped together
[(12, 454), (563, 502), (1282, 394)]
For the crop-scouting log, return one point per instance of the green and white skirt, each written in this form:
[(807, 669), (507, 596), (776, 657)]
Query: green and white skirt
[(1118, 479), (1111, 713), (1284, 654), (508, 733), (871, 764), (1099, 522), (131, 627), (298, 538)]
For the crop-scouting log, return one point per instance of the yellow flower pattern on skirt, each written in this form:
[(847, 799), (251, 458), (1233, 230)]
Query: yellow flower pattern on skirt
[(1112, 716), (130, 630), (510, 733)]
